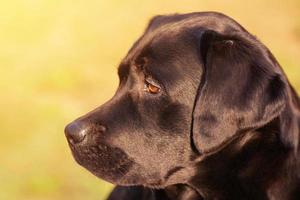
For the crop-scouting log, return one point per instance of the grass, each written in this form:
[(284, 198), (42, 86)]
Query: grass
[(58, 60)]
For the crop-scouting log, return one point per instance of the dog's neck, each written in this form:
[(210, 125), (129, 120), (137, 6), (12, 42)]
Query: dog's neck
[(256, 165), (260, 164)]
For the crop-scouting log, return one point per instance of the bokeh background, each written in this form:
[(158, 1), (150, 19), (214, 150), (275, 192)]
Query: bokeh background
[(58, 60)]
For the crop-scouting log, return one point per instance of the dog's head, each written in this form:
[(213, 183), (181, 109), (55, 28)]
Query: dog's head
[(188, 86)]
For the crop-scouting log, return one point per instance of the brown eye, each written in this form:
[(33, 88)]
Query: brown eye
[(152, 88)]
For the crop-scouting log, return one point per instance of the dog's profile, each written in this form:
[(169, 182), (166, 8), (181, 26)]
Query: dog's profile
[(203, 111)]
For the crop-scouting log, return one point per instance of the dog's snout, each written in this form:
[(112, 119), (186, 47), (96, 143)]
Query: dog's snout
[(76, 132)]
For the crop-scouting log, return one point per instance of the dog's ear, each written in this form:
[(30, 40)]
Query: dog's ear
[(241, 89)]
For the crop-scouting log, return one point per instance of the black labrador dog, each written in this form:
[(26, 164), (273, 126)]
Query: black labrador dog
[(203, 111)]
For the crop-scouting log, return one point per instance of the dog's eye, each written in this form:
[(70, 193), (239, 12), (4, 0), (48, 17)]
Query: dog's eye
[(151, 88)]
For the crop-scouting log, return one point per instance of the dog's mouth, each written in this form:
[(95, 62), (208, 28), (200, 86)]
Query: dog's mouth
[(113, 165), (105, 162)]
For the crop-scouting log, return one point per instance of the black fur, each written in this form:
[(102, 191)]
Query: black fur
[(225, 124)]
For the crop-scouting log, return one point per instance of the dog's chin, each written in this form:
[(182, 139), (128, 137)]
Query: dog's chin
[(105, 162), (136, 176), (113, 165)]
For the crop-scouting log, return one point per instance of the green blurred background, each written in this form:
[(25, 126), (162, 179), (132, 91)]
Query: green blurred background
[(58, 60)]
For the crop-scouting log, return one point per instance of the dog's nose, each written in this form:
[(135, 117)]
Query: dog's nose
[(76, 132)]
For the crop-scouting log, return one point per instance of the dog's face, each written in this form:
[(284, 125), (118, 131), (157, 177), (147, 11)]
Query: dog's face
[(142, 135), (158, 121)]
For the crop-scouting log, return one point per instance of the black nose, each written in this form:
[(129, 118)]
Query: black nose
[(76, 132)]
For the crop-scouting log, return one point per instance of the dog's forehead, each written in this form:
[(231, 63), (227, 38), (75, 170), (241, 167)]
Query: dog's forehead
[(167, 29), (158, 55), (149, 42)]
